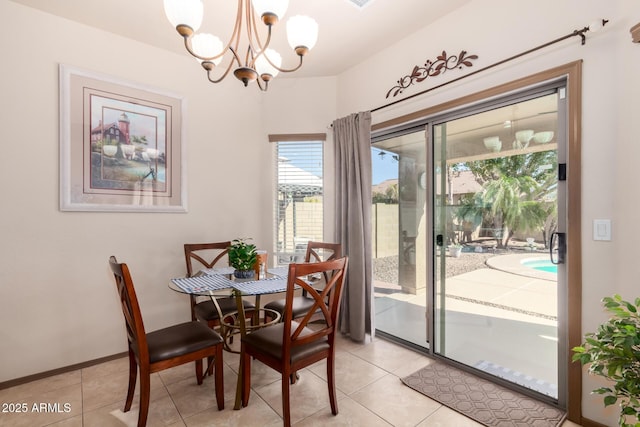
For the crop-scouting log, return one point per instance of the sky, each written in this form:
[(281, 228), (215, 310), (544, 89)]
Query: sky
[(383, 167)]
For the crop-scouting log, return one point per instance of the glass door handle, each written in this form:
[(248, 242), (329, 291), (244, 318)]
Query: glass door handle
[(439, 240), (562, 248)]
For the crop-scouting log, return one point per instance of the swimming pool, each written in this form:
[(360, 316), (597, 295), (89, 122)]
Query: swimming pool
[(541, 265)]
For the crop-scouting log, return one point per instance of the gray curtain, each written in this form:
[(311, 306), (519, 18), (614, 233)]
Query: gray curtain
[(352, 140)]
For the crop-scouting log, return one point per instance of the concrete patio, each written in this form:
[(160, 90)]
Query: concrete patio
[(502, 321)]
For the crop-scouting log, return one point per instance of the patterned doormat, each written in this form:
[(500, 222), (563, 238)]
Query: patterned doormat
[(481, 400)]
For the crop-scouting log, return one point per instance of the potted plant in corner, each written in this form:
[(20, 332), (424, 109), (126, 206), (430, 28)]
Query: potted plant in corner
[(613, 352), (242, 257)]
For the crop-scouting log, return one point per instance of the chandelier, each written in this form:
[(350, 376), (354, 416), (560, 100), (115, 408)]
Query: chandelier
[(259, 63)]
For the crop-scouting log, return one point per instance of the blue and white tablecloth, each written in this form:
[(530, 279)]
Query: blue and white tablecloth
[(198, 284), (279, 271), (216, 282), (276, 271), (259, 287)]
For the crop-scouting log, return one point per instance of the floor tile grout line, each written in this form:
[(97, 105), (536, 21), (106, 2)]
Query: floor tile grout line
[(82, 396), (173, 402)]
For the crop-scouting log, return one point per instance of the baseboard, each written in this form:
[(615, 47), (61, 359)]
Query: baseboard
[(586, 422), (41, 375)]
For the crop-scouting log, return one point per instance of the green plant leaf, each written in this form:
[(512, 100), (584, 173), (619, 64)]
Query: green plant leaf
[(585, 358), (613, 352), (592, 341), (610, 400)]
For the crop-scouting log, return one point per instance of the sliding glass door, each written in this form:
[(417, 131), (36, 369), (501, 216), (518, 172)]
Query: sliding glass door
[(495, 202), (399, 227), (469, 231)]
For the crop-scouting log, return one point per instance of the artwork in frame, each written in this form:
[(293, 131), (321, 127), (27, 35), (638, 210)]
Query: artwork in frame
[(121, 145)]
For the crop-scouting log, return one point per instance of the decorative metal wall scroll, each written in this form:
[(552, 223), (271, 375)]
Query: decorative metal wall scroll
[(441, 64)]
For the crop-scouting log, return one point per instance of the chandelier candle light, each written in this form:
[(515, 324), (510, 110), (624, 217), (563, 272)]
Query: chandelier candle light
[(261, 63)]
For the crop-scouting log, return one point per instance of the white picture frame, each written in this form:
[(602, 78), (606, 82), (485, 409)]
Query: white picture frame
[(122, 145)]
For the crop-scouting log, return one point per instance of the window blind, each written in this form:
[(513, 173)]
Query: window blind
[(299, 198)]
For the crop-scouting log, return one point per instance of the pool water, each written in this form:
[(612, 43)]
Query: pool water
[(541, 265)]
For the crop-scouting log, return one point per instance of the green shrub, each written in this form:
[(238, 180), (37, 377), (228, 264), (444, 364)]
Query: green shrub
[(613, 352)]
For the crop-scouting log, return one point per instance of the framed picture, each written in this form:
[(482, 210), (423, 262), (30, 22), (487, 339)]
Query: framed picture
[(121, 146)]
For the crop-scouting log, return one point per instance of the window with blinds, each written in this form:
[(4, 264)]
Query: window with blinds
[(299, 198)]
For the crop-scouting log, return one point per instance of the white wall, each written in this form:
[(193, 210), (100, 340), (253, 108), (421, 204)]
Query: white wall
[(58, 304), (497, 29)]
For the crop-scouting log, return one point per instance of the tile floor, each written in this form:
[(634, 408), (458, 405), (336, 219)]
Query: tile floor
[(367, 376)]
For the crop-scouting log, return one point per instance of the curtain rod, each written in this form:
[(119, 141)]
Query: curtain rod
[(595, 26)]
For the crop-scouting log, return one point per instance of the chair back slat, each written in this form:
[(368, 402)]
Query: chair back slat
[(202, 253), (321, 251), (327, 300), (136, 336)]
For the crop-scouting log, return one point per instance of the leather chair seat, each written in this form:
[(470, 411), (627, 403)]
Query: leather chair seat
[(301, 306), (180, 339), (269, 340), (206, 311)]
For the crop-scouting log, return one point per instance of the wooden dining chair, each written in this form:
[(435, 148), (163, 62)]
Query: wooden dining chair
[(165, 348), (316, 252), (208, 255), (291, 345)]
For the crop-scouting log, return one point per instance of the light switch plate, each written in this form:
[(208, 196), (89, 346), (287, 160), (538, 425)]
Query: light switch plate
[(602, 229)]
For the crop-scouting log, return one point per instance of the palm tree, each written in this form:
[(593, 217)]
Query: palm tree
[(515, 193), (392, 193), (511, 201)]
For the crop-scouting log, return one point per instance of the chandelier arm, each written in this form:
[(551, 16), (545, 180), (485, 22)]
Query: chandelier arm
[(189, 48), (253, 36), (249, 19), (232, 45), (249, 59), (266, 85), (222, 77), (283, 70), (209, 67), (234, 40), (187, 45), (253, 31), (235, 37), (261, 48)]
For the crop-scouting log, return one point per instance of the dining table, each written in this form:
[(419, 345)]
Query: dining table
[(219, 282)]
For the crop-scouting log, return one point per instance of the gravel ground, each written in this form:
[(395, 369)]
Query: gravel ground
[(386, 269)]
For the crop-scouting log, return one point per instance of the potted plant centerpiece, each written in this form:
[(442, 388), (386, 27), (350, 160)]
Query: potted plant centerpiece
[(613, 352), (242, 257)]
